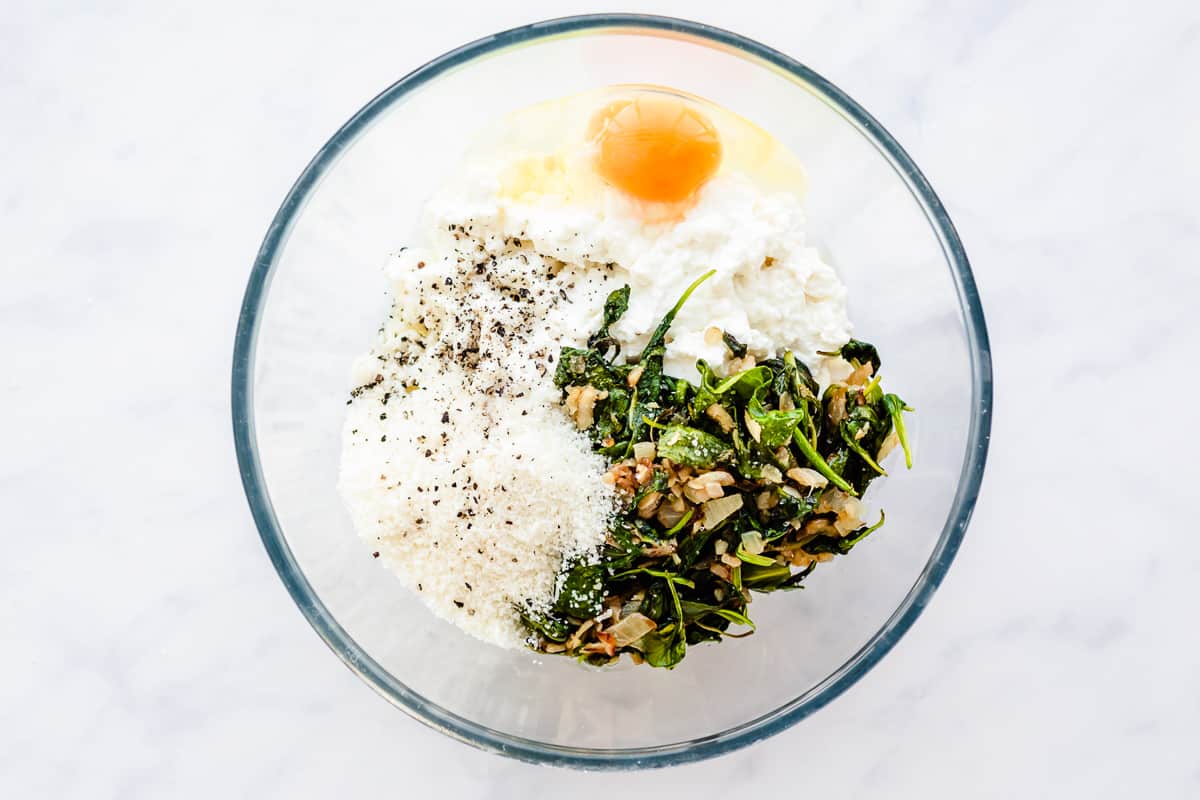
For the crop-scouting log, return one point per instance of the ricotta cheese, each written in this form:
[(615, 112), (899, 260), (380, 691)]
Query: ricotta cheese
[(771, 290)]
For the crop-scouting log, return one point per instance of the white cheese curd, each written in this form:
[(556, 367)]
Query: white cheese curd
[(772, 291)]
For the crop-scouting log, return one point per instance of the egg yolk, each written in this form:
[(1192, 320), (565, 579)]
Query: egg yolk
[(655, 148)]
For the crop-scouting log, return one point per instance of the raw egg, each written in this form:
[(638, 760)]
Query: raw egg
[(637, 150), (655, 147)]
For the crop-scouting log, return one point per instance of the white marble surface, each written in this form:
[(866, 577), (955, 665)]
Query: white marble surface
[(148, 649)]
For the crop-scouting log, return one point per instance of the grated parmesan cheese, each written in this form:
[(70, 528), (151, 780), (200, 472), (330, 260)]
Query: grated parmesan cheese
[(458, 466)]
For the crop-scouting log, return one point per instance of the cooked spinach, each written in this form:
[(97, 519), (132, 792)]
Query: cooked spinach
[(645, 403), (614, 308), (738, 489), (896, 408), (582, 592), (551, 626), (859, 353), (693, 447), (735, 347)]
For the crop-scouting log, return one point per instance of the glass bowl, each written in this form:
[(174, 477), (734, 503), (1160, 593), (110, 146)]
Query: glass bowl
[(316, 296)]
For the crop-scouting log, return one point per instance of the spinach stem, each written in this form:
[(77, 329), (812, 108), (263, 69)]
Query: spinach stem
[(848, 543), (858, 448), (742, 635), (660, 333), (896, 408), (767, 419), (678, 526), (819, 463)]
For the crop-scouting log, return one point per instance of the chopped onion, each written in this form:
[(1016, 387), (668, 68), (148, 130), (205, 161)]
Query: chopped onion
[(766, 500), (792, 491), (771, 473), (808, 477), (753, 427), (719, 415), (716, 510), (861, 375), (649, 504), (644, 450), (577, 636), (837, 405), (752, 541), (659, 550), (849, 515), (831, 500), (889, 444), (630, 629), (670, 513), (721, 571)]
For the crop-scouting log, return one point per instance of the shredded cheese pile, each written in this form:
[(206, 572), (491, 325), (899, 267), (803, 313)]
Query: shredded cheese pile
[(459, 466)]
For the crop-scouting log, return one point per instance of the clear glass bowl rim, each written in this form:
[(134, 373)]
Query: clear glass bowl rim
[(749, 732)]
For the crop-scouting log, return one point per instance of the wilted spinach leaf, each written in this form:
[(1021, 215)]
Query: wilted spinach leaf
[(842, 544), (735, 347), (582, 592), (693, 447), (614, 308), (664, 647), (650, 382), (621, 546), (587, 367), (659, 560), (690, 547), (859, 353), (548, 624), (896, 408)]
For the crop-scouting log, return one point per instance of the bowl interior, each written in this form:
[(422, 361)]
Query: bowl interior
[(326, 297)]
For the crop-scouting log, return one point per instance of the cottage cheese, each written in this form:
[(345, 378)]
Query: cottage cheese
[(771, 289)]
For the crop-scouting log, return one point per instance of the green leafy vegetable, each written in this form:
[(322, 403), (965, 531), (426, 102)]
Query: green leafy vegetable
[(896, 408), (849, 431), (691, 547), (842, 544), (751, 558), (614, 308), (743, 484), (582, 592), (587, 367), (735, 616), (623, 544), (650, 382), (777, 427), (858, 353), (550, 626), (664, 647), (735, 347), (693, 447), (819, 464)]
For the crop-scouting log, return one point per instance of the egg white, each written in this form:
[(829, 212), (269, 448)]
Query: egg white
[(542, 155)]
